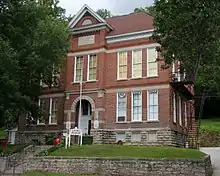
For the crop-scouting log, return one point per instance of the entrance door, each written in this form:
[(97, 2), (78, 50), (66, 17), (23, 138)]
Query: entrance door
[(84, 120)]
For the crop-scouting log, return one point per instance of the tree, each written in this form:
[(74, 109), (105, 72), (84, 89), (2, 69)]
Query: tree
[(33, 44), (149, 9), (188, 31), (104, 13)]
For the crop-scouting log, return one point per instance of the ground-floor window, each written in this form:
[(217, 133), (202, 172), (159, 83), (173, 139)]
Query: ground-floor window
[(136, 106), (153, 105), (121, 107)]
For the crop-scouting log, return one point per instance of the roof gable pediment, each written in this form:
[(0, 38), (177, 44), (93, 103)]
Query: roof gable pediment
[(83, 11)]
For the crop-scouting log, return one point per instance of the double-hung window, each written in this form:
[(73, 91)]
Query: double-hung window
[(137, 64), (180, 111), (92, 65), (174, 107), (152, 65), (53, 111), (78, 71), (153, 105), (121, 107), (136, 106), (122, 65), (185, 113), (42, 105)]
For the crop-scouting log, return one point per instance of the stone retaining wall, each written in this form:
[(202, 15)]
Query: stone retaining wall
[(154, 136), (122, 167), (12, 160)]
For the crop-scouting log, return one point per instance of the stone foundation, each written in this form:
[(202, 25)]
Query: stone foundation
[(28, 136), (153, 136)]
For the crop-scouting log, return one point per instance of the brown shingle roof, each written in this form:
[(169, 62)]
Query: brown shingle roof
[(133, 22)]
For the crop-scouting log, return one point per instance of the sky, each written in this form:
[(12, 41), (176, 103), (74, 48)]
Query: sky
[(117, 7)]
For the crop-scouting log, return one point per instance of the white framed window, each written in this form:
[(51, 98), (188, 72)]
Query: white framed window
[(78, 69), (92, 67), (137, 64), (136, 106), (185, 114), (180, 111), (53, 111), (174, 107), (153, 114), (122, 65), (42, 105), (121, 107), (152, 65)]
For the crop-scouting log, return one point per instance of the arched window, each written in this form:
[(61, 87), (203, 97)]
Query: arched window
[(86, 22)]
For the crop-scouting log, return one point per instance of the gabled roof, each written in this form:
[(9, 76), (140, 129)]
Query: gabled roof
[(82, 12), (130, 23)]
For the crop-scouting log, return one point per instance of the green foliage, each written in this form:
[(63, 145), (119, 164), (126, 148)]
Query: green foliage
[(49, 139), (50, 150), (210, 124), (33, 44), (188, 31), (11, 149), (104, 13), (149, 10), (119, 151)]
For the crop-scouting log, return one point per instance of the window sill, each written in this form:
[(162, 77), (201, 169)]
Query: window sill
[(91, 81), (137, 121), (41, 124), (153, 121), (126, 79), (151, 77), (125, 122), (136, 78)]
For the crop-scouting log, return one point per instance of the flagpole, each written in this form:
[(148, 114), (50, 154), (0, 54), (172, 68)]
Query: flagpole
[(80, 95)]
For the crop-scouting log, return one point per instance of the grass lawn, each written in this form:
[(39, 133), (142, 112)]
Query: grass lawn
[(211, 124), (50, 174), (126, 151)]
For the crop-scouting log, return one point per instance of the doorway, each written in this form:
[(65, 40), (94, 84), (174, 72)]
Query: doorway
[(84, 122)]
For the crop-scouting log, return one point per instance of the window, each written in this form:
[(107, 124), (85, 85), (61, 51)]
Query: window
[(42, 105), (152, 136), (136, 106), (174, 107), (92, 60), (78, 69), (53, 111), (121, 107), (122, 65), (185, 113), (153, 105), (86, 22), (152, 65), (137, 64), (180, 111)]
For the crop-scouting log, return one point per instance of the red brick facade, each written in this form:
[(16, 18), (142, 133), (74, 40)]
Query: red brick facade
[(110, 38)]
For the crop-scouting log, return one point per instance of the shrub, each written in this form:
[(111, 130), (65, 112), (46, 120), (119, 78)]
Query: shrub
[(209, 138), (87, 140)]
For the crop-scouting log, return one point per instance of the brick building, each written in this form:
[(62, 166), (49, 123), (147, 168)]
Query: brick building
[(124, 89)]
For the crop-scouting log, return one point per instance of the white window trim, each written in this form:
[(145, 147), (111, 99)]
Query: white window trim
[(117, 110), (50, 113), (180, 111), (174, 107), (118, 54), (185, 114), (88, 68), (150, 76), (38, 122), (133, 63), (148, 115), (132, 94), (75, 68)]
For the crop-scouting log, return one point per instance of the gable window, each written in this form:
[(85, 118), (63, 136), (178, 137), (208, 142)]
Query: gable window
[(136, 106), (174, 107), (121, 107), (137, 64), (122, 65), (92, 60), (180, 111), (53, 111), (78, 71), (153, 105), (152, 65), (86, 22)]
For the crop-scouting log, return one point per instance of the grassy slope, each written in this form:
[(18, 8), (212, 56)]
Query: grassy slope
[(127, 152), (211, 124)]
